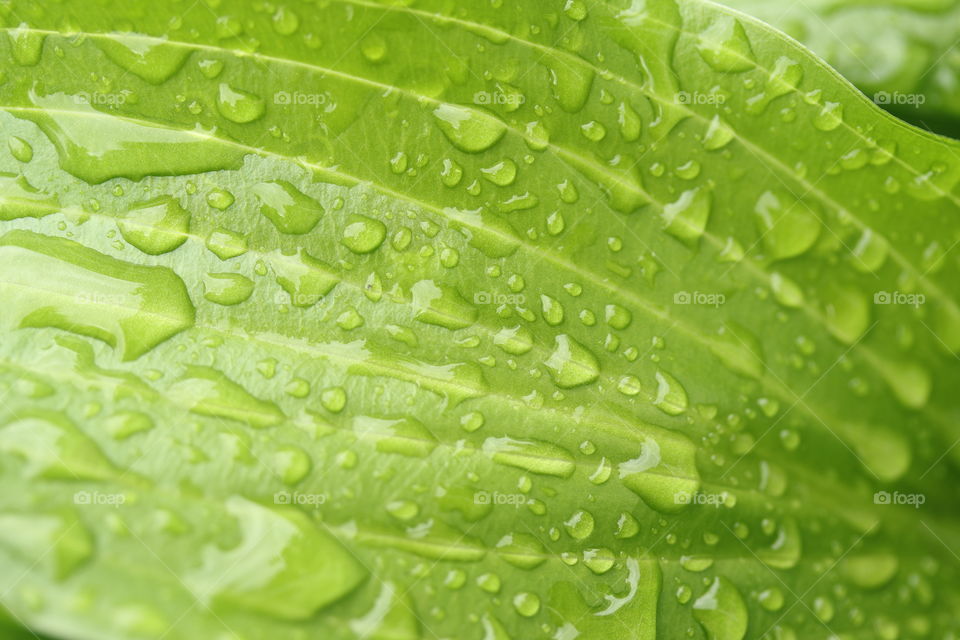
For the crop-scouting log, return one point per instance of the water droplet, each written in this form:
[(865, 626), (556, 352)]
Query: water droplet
[(570, 83), (571, 364), (289, 209), (722, 611), (53, 447), (440, 305), (403, 510), (131, 307), (211, 68), (20, 149), (58, 542), (226, 244), (527, 604), (313, 559), (156, 226), (739, 350), (227, 288), (452, 173), (502, 173), (208, 392), (468, 129), (23, 200), (514, 340), (27, 44), (724, 45), (784, 78), (599, 561), (593, 131), (786, 291), (870, 252), (671, 397), (788, 226), (95, 146), (522, 550), (627, 527), (575, 10), (489, 582), (405, 436), (617, 317), (672, 479), (771, 599), (373, 47), (686, 218), (144, 56), (363, 234), (471, 421), (125, 424), (306, 279), (718, 134), (291, 464), (910, 382), (871, 570), (847, 313), (629, 121), (350, 320), (823, 609), (580, 525), (629, 385), (399, 163), (239, 106), (219, 199), (285, 22), (534, 456), (696, 564), (689, 170), (830, 117)]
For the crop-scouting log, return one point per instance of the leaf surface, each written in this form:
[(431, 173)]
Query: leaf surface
[(577, 320), (902, 54)]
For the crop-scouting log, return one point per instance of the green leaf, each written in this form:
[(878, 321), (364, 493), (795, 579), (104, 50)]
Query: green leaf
[(902, 54), (505, 320)]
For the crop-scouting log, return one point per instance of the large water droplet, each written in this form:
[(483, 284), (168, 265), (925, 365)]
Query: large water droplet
[(534, 456), (722, 611), (468, 129), (571, 364), (788, 226), (239, 106), (405, 436), (363, 234), (276, 547), (288, 208), (724, 45), (441, 305), (147, 57), (306, 279), (58, 542), (208, 392), (54, 282), (227, 288), (686, 218), (156, 226)]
